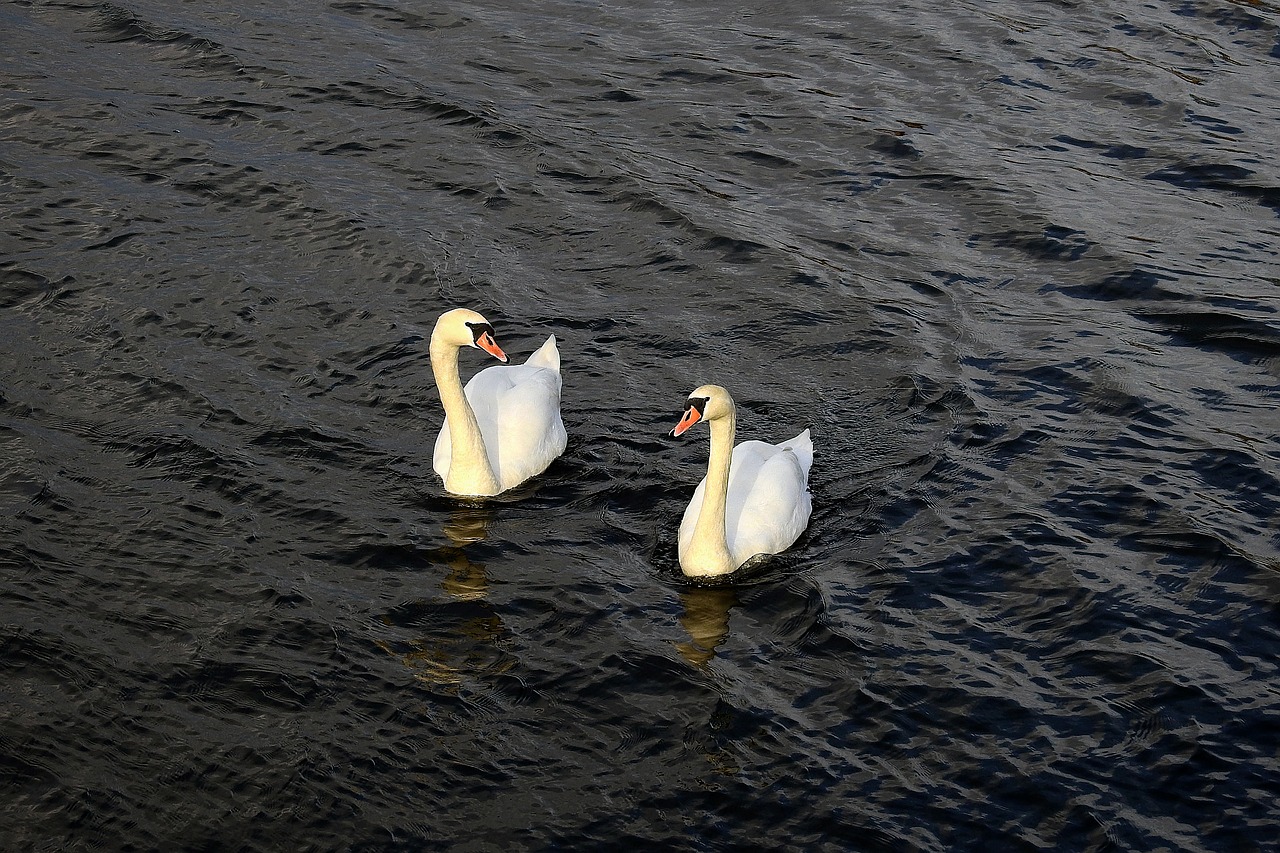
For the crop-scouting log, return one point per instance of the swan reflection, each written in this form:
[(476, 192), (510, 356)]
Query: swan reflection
[(457, 638), (466, 525), (706, 620)]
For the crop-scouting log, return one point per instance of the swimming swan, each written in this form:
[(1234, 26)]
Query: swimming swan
[(755, 501), (506, 426)]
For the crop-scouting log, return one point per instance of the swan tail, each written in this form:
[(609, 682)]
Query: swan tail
[(802, 447), (547, 356)]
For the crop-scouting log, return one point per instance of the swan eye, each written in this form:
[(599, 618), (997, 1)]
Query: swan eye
[(479, 331)]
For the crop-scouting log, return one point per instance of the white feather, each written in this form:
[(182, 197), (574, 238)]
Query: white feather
[(768, 504), (518, 410)]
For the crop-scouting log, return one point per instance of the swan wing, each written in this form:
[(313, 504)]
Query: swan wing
[(690, 518), (442, 457), (769, 504), (530, 433)]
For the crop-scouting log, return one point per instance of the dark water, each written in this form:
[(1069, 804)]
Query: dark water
[(1016, 264)]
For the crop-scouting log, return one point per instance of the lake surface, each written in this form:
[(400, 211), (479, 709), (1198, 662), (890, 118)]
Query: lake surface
[(1016, 264)]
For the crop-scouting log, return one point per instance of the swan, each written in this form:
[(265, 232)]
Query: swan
[(506, 426), (755, 498)]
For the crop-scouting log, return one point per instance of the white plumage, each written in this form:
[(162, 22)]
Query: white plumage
[(505, 426), (768, 504), (755, 498)]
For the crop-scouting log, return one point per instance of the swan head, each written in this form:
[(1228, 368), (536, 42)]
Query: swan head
[(705, 403), (463, 327)]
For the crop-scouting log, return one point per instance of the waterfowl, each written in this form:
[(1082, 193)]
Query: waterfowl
[(505, 427), (754, 499)]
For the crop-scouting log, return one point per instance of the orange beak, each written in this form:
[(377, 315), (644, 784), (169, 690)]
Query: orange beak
[(489, 345), (689, 418)]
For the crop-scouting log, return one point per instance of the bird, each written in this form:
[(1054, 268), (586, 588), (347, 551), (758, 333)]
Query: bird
[(754, 499), (505, 427)]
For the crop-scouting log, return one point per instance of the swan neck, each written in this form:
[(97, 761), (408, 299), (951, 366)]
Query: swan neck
[(709, 532), (469, 470)]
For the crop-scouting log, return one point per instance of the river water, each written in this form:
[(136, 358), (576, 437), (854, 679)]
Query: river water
[(1014, 263)]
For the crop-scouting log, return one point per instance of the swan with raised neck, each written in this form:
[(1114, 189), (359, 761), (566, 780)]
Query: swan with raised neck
[(754, 499)]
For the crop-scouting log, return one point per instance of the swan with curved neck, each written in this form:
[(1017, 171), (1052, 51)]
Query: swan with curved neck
[(755, 498), (504, 426)]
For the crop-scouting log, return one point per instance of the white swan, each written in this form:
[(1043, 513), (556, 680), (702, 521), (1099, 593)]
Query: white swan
[(506, 426), (755, 498)]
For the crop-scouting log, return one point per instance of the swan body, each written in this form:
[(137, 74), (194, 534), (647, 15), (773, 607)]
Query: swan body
[(755, 498), (505, 426)]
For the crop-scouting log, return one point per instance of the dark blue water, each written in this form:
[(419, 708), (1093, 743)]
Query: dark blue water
[(1017, 266)]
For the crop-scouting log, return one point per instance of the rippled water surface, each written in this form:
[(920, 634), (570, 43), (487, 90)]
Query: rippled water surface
[(1015, 264)]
